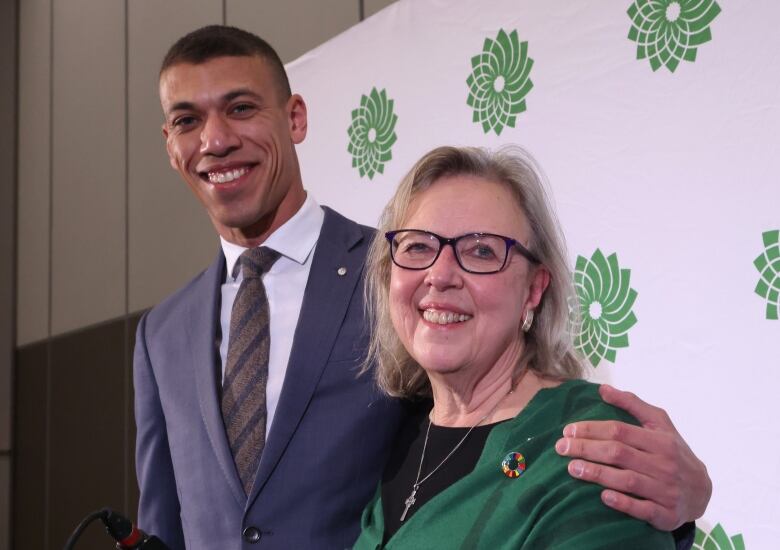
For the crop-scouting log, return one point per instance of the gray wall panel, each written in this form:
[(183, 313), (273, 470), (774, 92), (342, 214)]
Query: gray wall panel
[(293, 27), (5, 470), (32, 312), (370, 7), (5, 503), (30, 502), (87, 446), (88, 163), (8, 158), (8, 57), (171, 238)]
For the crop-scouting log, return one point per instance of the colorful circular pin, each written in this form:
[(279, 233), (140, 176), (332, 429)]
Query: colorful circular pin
[(513, 464)]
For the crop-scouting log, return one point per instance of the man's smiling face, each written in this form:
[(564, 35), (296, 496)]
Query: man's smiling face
[(232, 138)]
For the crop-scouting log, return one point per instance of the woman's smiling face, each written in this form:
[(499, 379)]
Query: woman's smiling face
[(452, 321)]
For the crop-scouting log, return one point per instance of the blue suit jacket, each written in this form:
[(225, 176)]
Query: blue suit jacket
[(328, 443)]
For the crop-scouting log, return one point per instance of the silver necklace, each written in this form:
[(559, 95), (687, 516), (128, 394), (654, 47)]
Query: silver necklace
[(411, 499)]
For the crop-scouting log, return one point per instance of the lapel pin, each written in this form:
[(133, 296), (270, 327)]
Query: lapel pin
[(513, 464), (341, 271)]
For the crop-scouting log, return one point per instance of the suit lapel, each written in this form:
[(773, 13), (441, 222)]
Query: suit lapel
[(201, 327), (324, 306)]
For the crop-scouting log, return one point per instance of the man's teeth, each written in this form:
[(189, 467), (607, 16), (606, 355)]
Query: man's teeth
[(227, 176), (444, 317)]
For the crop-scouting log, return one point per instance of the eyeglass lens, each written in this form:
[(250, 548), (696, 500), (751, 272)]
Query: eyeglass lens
[(476, 253)]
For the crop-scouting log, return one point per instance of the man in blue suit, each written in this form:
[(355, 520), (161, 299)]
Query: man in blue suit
[(231, 126)]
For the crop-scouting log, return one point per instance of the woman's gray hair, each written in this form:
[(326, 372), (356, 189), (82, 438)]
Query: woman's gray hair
[(548, 346)]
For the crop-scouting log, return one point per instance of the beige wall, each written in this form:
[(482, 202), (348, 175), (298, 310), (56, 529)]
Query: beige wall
[(33, 167), (105, 226)]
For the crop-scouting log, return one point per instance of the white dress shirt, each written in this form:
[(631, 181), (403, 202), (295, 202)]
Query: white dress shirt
[(284, 284)]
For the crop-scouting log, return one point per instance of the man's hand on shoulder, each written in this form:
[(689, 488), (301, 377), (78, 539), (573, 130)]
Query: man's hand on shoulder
[(648, 471)]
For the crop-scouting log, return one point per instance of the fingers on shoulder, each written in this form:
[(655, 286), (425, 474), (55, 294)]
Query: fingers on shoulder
[(658, 516), (598, 429), (643, 411), (612, 453), (625, 481)]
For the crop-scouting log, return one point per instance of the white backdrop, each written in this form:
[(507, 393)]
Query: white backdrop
[(676, 172)]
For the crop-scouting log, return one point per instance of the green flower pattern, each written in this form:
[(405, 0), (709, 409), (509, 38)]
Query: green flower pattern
[(768, 265), (605, 301), (717, 539), (499, 82), (670, 31), (372, 133)]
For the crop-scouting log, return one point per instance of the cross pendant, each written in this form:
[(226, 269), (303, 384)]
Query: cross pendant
[(409, 503)]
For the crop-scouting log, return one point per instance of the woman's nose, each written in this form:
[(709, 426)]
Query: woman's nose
[(445, 271)]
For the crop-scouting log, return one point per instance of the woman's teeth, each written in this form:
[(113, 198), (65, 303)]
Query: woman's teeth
[(444, 317)]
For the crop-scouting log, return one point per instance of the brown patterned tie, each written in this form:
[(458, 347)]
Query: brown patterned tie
[(246, 373)]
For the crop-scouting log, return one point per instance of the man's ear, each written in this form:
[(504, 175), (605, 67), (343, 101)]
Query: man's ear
[(297, 118), (168, 146)]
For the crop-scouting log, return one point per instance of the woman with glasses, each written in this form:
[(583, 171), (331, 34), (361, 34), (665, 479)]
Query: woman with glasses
[(468, 291)]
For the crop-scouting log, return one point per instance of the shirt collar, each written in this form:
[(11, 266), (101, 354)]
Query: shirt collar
[(294, 240)]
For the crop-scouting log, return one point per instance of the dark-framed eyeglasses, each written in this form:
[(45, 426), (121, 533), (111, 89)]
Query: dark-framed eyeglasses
[(480, 253)]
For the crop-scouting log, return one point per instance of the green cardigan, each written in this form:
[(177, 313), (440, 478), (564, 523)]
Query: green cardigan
[(543, 508)]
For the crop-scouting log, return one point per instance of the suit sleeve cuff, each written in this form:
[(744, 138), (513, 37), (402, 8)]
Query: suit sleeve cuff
[(684, 535)]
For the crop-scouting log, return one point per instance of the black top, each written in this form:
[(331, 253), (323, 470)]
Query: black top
[(401, 470)]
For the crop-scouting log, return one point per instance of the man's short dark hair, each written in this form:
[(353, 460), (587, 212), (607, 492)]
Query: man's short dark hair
[(215, 41)]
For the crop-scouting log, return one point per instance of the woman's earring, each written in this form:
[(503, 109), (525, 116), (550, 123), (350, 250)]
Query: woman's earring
[(528, 320)]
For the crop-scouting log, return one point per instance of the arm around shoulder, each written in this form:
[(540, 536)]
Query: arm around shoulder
[(649, 470), (571, 513)]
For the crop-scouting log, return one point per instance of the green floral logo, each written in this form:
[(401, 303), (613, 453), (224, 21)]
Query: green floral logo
[(499, 82), (372, 133), (717, 539), (605, 301), (768, 265), (669, 31)]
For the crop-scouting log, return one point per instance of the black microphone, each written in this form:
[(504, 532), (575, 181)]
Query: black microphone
[(121, 529), (127, 535)]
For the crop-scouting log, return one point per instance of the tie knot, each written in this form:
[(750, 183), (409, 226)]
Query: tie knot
[(256, 261)]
